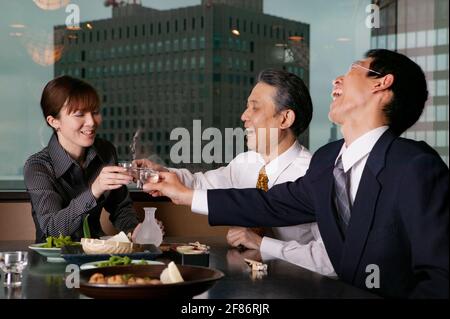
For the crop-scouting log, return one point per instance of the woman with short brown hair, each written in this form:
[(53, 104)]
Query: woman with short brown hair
[(76, 174)]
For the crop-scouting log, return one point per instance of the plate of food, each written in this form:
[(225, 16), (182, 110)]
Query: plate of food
[(52, 247), (95, 250), (147, 281), (118, 261), (195, 254)]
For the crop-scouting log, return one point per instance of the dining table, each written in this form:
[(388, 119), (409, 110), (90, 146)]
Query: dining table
[(281, 280)]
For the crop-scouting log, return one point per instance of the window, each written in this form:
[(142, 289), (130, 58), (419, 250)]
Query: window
[(431, 38), (442, 36), (202, 62), (442, 113), (442, 138), (401, 41), (411, 40), (431, 63), (430, 113), (421, 39), (167, 46), (442, 88), (202, 43), (442, 62), (176, 45), (152, 67)]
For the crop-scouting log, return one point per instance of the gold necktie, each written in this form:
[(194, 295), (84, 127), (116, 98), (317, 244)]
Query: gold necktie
[(263, 184), (263, 180)]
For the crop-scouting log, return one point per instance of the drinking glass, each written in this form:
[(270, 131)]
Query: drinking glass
[(12, 263), (127, 165), (145, 175)]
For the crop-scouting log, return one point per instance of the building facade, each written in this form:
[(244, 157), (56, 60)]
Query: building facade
[(157, 70), (419, 29)]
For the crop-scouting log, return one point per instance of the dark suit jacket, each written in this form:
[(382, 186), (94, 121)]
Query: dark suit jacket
[(399, 218)]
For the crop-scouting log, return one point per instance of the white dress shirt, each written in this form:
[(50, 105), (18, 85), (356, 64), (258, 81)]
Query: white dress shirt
[(355, 156), (301, 244)]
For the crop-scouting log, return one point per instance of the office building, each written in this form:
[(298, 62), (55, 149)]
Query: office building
[(419, 29), (161, 69)]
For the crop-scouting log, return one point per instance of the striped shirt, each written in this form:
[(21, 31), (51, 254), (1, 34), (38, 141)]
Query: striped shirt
[(61, 195)]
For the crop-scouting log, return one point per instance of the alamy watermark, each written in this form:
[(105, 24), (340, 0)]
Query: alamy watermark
[(373, 279), (219, 148), (373, 19), (73, 19)]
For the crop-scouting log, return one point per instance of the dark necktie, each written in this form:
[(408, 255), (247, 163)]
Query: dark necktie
[(342, 194)]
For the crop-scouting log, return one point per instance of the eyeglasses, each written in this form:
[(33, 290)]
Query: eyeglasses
[(357, 65)]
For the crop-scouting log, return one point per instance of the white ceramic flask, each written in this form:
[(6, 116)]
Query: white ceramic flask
[(149, 232)]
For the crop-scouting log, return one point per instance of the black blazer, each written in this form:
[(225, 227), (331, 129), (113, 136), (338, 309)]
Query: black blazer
[(399, 218)]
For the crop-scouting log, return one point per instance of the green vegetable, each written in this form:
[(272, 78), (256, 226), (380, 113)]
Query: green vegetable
[(118, 261), (58, 242), (142, 262), (86, 230)]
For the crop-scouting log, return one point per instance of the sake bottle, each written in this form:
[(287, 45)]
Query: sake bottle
[(149, 232)]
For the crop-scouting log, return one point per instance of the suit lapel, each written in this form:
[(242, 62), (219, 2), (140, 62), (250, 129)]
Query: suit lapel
[(323, 181), (361, 220), (364, 208), (326, 218)]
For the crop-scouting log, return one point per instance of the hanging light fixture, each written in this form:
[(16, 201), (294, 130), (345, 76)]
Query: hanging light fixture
[(41, 47), (51, 4)]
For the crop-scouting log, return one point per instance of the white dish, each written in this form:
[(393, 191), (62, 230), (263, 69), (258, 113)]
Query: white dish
[(99, 246), (53, 254), (93, 264)]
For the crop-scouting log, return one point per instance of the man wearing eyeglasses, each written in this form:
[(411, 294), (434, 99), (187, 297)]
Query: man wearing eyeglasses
[(381, 201)]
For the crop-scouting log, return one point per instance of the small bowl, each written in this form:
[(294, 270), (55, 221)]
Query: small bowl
[(53, 254), (98, 246)]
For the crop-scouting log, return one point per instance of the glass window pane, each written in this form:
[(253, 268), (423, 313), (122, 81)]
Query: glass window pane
[(430, 113), (411, 40), (442, 113), (420, 136), (442, 36), (442, 87), (401, 41), (122, 65), (431, 63), (431, 38), (442, 62), (431, 138), (391, 42), (441, 138), (421, 39)]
